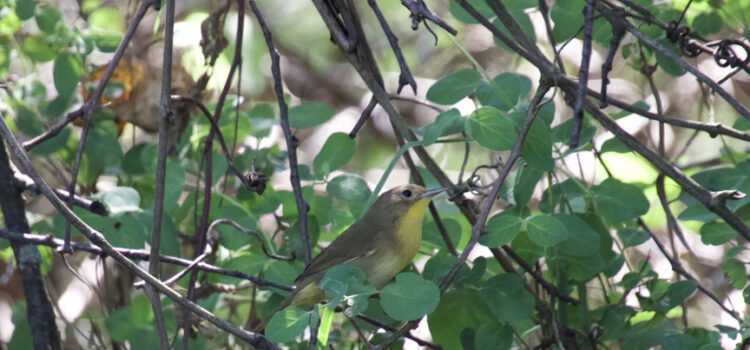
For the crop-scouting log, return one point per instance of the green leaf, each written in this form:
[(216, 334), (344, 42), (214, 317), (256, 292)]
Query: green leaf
[(458, 309), (732, 252), (505, 91), (120, 200), (525, 185), (47, 18), (107, 18), (735, 270), (707, 23), (106, 41), (460, 14), (618, 202), (491, 129), (58, 106), (102, 147), (614, 145), (493, 336), (563, 131), (287, 324), (666, 63), (174, 185), (409, 297), (583, 240), (336, 152), (717, 233), (718, 179), (537, 147), (25, 9), (506, 298), (697, 212), (281, 272), (580, 268), (308, 115), (27, 119), (341, 281), (453, 88), (566, 14), (445, 123), (53, 144), (67, 73), (41, 48), (632, 237), (675, 295), (431, 233), (546, 231), (501, 229), (349, 187)]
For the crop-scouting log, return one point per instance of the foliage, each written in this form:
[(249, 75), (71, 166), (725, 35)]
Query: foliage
[(583, 247)]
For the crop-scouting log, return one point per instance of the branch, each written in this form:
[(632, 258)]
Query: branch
[(138, 254), (166, 119), (622, 21), (257, 340), (481, 221), (291, 141), (41, 317)]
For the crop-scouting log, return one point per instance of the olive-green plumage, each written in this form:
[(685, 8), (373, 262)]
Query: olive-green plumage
[(381, 243)]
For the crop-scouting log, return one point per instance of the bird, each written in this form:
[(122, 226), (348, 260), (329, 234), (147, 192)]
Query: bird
[(382, 243)]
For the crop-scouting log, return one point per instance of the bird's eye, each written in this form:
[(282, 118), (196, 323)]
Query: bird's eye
[(406, 193)]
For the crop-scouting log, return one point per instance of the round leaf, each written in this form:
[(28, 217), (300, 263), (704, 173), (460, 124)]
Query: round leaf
[(454, 87), (308, 115), (349, 187), (25, 9), (717, 233), (632, 237), (546, 231), (492, 129), (493, 336), (505, 91), (583, 240), (336, 152), (47, 18), (342, 280), (458, 309), (410, 297), (287, 324), (67, 73), (537, 147), (506, 298), (618, 202), (501, 229), (120, 200)]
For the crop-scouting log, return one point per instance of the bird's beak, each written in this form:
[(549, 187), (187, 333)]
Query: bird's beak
[(431, 193)]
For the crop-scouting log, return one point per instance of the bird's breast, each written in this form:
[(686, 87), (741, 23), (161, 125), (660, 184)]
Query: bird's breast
[(407, 238)]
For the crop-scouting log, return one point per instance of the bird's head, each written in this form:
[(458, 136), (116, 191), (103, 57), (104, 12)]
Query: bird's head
[(400, 200)]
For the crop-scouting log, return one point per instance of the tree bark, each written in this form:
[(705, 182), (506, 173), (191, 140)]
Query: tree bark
[(39, 312)]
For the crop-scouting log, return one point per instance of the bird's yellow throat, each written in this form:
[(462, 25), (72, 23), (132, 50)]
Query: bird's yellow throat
[(409, 228)]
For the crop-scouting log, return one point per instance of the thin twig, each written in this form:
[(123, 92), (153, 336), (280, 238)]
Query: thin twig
[(166, 118), (677, 267), (481, 221), (583, 71), (138, 254), (291, 140), (257, 340)]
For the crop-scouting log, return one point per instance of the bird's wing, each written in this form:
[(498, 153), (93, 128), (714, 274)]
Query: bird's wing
[(348, 247)]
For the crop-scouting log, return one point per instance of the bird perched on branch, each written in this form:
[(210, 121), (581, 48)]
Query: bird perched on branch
[(381, 243)]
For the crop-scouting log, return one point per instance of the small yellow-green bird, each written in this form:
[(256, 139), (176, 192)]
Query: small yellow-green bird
[(381, 243)]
